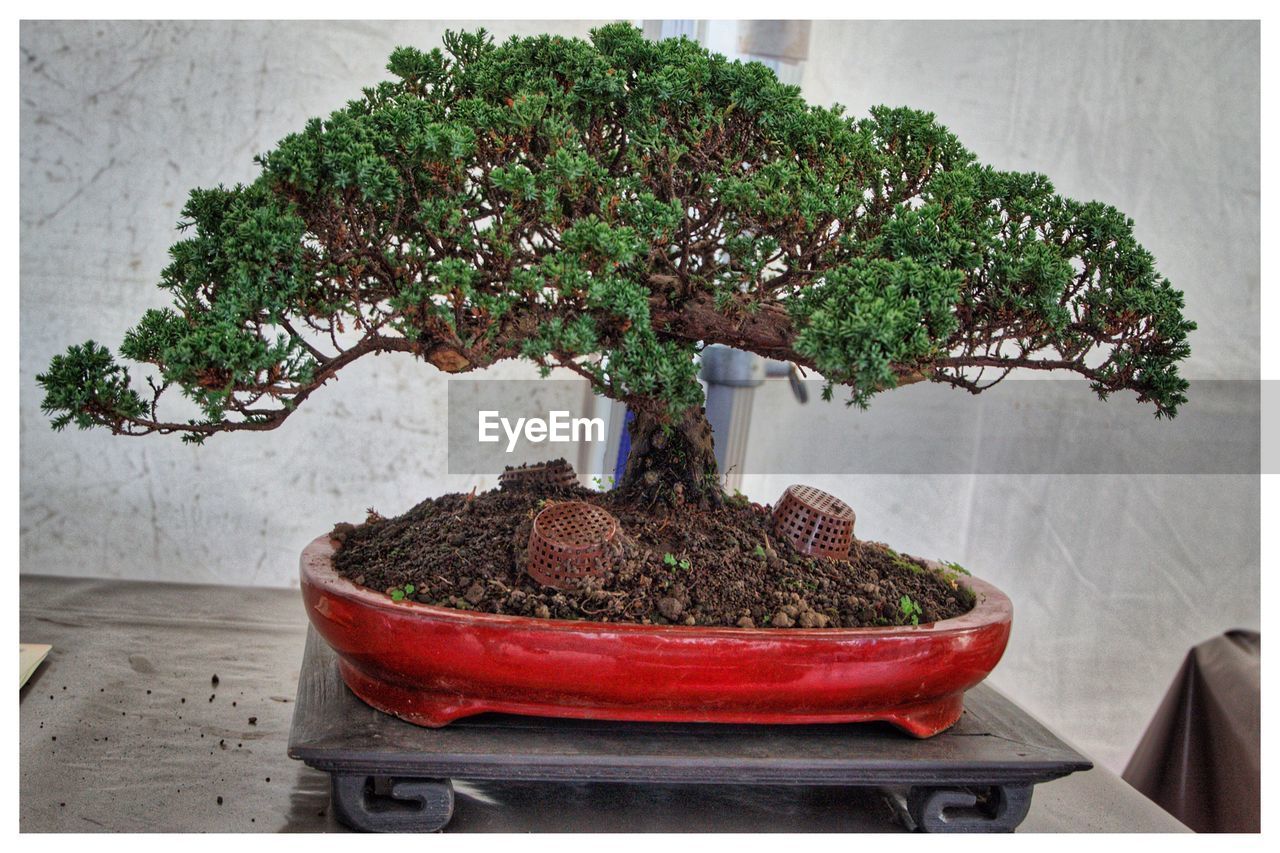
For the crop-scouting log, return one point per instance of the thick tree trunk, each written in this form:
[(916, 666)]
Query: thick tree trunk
[(672, 460)]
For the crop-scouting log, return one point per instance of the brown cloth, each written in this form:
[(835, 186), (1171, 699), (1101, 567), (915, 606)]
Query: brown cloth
[(1199, 758)]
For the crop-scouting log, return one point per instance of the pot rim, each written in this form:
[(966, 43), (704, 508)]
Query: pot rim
[(991, 606)]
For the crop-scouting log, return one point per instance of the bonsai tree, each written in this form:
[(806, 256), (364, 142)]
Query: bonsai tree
[(610, 208)]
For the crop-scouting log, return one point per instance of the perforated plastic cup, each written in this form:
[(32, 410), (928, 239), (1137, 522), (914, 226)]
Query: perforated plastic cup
[(559, 473), (814, 522), (570, 541)]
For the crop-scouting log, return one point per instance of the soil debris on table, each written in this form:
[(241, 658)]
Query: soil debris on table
[(721, 566)]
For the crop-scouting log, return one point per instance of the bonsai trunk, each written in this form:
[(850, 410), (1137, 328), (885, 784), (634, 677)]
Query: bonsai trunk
[(672, 460)]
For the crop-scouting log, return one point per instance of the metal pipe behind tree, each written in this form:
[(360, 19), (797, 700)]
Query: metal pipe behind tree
[(732, 375)]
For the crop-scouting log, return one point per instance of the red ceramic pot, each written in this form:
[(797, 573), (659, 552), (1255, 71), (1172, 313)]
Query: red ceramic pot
[(431, 665)]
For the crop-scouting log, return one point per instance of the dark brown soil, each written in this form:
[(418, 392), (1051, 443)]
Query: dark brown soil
[(687, 566)]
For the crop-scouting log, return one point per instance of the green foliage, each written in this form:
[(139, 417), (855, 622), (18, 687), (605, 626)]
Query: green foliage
[(612, 206), (400, 593), (952, 574), (683, 563), (872, 315), (904, 563), (86, 387), (910, 610)]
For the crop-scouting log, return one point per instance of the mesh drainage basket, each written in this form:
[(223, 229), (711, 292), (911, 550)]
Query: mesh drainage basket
[(571, 540), (815, 522), (558, 473)]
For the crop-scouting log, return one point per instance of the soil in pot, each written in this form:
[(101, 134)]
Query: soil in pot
[(687, 566)]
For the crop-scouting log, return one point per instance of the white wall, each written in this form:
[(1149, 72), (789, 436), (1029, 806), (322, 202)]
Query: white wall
[(1113, 578)]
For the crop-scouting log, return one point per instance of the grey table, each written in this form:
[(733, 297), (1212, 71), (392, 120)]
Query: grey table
[(122, 729)]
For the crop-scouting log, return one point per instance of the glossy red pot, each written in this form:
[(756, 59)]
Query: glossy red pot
[(431, 665)]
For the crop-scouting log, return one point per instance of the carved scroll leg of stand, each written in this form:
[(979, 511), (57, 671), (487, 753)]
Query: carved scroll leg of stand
[(956, 809), (377, 804)]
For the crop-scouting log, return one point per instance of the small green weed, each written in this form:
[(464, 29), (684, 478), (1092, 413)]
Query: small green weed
[(910, 610), (903, 562), (683, 564), (401, 592)]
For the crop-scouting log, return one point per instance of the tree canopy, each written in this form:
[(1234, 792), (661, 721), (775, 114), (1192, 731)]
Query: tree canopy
[(611, 207)]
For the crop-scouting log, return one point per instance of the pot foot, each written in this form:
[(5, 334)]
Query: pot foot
[(928, 718)]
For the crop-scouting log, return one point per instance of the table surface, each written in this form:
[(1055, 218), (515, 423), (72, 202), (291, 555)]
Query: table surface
[(122, 729)]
